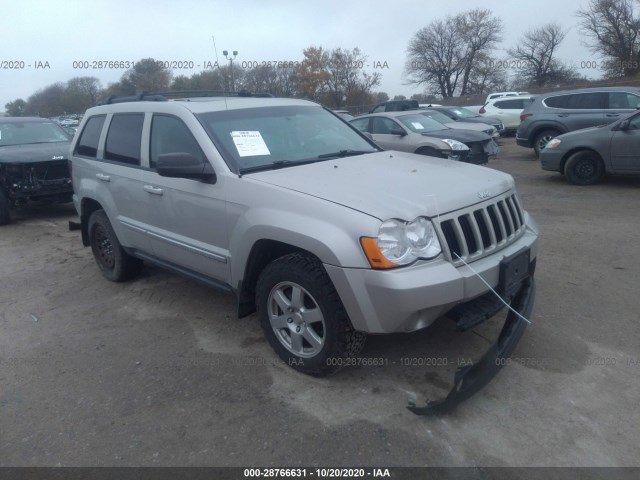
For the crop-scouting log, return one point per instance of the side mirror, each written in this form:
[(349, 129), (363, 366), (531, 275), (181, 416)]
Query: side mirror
[(368, 135), (398, 131), (184, 165), (624, 125)]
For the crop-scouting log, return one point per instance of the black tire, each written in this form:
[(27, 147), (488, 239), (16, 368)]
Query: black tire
[(542, 139), (584, 168), (114, 263), (317, 313), (5, 214), (429, 151)]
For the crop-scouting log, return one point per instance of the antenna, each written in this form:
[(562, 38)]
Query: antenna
[(213, 38)]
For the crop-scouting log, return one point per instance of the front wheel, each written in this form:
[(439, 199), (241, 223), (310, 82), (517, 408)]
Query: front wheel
[(303, 317), (115, 264), (584, 168)]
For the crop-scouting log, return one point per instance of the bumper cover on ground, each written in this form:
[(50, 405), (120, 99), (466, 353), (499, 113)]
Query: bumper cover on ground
[(470, 379)]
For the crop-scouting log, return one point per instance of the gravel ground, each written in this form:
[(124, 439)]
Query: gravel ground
[(159, 371)]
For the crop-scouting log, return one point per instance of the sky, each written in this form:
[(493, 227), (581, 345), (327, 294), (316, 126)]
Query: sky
[(44, 38)]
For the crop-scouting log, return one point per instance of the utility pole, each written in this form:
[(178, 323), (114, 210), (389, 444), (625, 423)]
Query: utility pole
[(226, 55)]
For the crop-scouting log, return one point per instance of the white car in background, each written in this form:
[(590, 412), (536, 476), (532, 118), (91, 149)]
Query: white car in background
[(493, 96), (507, 109)]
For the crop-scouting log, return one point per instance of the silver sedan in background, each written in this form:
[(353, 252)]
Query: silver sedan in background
[(411, 131)]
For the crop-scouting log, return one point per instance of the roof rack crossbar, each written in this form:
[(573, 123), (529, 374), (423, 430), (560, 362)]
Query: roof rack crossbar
[(164, 96)]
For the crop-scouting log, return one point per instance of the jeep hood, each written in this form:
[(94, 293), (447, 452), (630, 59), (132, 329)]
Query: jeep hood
[(34, 152), (392, 184)]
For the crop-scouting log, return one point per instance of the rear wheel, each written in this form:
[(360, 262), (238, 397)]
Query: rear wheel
[(303, 317), (114, 263), (584, 168), (542, 139), (5, 215)]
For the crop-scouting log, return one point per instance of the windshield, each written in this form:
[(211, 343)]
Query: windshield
[(464, 113), (280, 136), (24, 133), (420, 123), (438, 117)]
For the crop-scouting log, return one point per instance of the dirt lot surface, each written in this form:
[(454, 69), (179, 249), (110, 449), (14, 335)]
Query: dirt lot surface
[(159, 371)]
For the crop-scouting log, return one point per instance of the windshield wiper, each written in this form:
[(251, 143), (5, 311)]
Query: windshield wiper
[(273, 166), (345, 153)]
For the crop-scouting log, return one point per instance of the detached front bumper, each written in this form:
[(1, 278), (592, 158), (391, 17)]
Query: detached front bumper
[(470, 379)]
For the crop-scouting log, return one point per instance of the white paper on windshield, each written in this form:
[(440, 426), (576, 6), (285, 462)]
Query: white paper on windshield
[(249, 143), (417, 125)]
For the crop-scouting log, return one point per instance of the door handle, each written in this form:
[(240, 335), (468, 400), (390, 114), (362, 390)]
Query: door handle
[(103, 177), (613, 114), (563, 115), (153, 190)]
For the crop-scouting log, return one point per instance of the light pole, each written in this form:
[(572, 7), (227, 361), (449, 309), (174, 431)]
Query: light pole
[(235, 54)]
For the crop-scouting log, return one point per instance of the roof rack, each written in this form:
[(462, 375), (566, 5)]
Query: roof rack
[(164, 96)]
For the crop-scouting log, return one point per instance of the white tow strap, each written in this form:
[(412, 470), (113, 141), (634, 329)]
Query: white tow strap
[(490, 288)]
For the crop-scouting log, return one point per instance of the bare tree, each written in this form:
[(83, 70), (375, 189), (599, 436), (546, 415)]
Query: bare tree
[(443, 56), (481, 31), (81, 93), (16, 108), (149, 75), (47, 102), (280, 81), (487, 77), (435, 57), (336, 77), (381, 97), (535, 60), (612, 26)]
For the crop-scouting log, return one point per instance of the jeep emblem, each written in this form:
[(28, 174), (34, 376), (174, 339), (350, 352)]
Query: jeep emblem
[(482, 194), (57, 157)]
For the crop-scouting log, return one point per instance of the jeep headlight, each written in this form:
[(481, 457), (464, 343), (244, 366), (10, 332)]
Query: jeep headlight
[(553, 143), (455, 144), (401, 243)]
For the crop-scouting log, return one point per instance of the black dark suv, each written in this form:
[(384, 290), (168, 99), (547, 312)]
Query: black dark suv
[(33, 163), (551, 114)]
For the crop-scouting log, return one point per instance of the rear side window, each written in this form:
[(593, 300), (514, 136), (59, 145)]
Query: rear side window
[(510, 104), (587, 101), (623, 100), (88, 142), (559, 101), (171, 135), (123, 138)]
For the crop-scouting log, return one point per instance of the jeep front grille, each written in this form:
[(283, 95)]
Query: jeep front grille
[(482, 229)]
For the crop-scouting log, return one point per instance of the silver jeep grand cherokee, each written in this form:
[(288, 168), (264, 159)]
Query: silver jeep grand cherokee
[(305, 220)]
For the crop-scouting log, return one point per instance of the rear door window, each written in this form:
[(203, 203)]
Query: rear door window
[(623, 100), (587, 101), (123, 138)]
